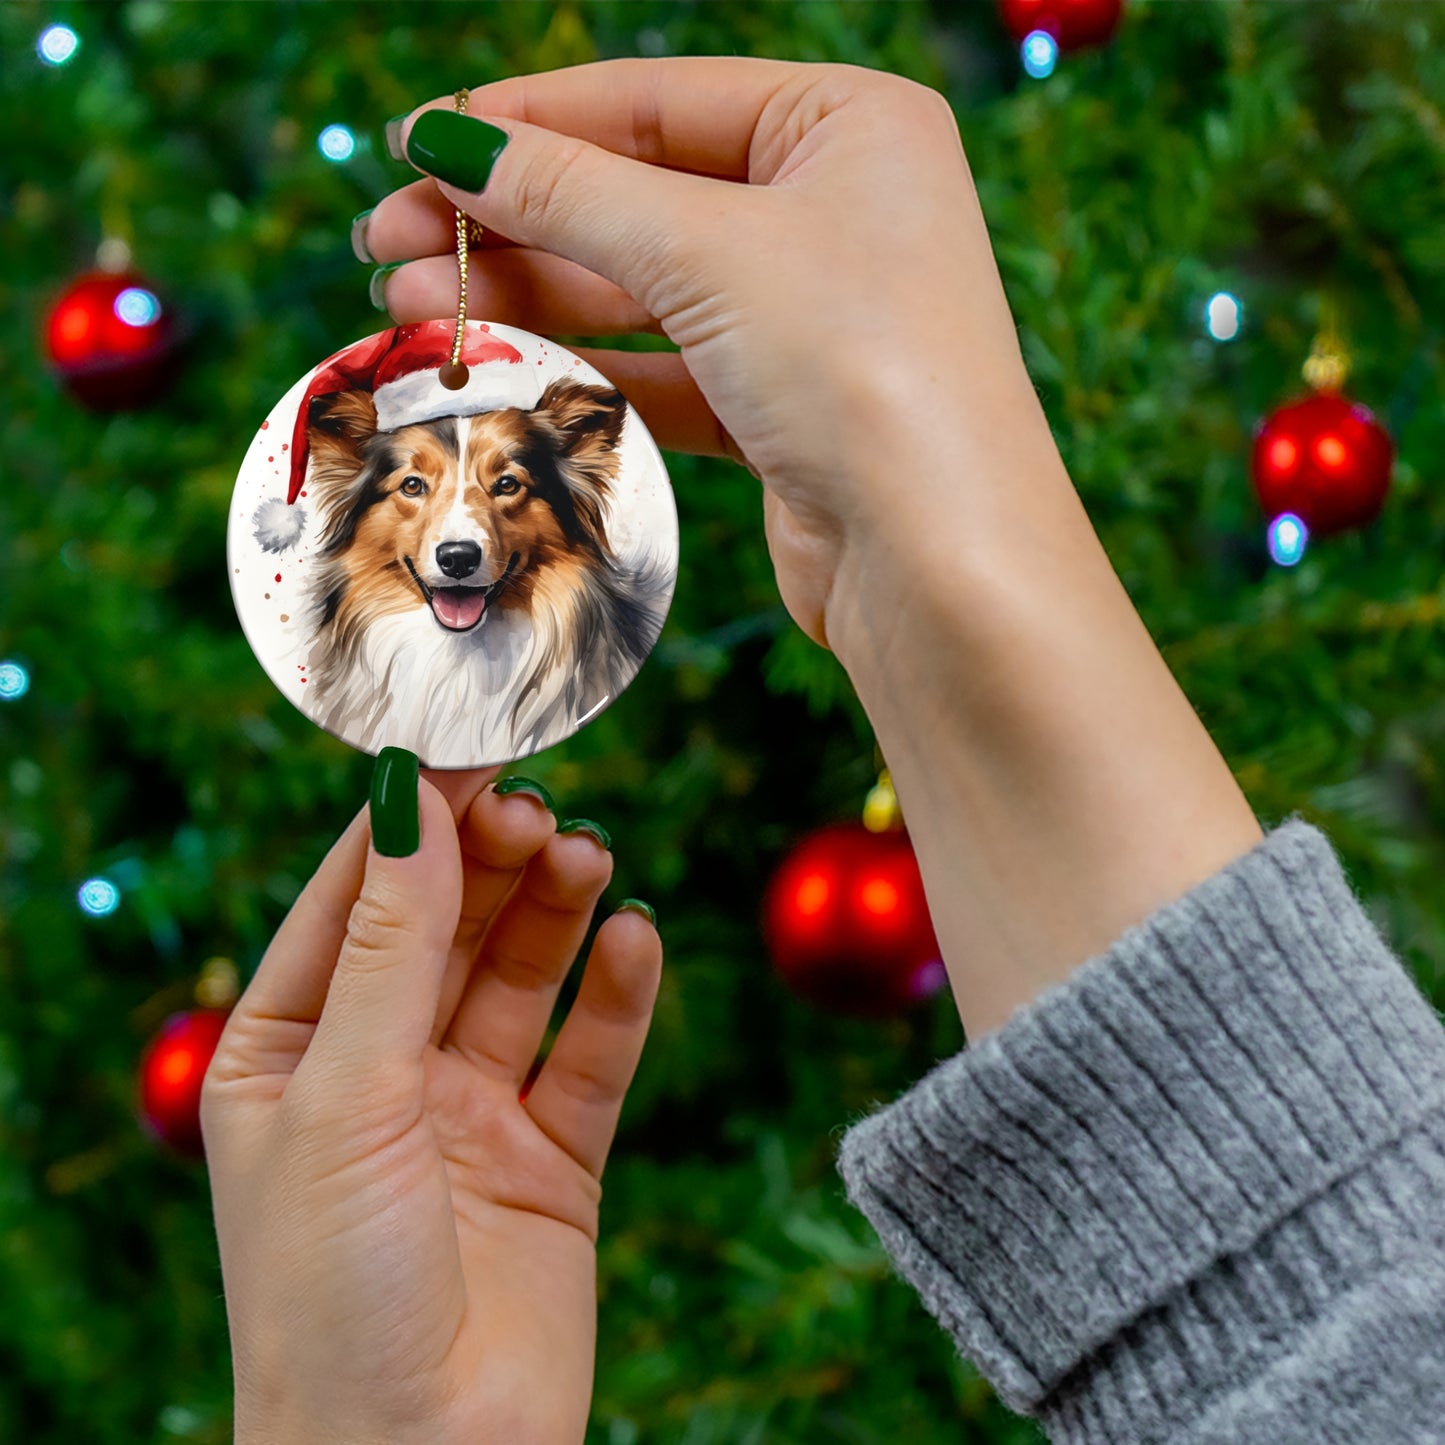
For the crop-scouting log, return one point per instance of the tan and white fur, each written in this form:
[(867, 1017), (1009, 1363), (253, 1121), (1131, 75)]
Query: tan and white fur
[(468, 604)]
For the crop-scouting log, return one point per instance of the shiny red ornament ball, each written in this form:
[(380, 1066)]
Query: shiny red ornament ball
[(847, 923), (112, 341), (1326, 459), (1073, 23), (171, 1072)]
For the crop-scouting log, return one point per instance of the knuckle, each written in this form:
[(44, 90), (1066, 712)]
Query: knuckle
[(542, 189), (374, 934)]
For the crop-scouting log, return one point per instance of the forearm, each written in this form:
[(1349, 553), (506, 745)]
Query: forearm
[(1057, 783)]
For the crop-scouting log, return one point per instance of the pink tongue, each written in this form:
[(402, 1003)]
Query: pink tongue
[(458, 607)]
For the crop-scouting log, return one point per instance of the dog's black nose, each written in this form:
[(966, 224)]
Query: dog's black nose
[(459, 559)]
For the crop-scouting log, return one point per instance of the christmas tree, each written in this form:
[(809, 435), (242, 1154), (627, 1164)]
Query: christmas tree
[(161, 804)]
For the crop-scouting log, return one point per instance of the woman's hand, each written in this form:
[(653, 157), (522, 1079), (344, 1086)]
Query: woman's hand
[(407, 1245), (808, 235)]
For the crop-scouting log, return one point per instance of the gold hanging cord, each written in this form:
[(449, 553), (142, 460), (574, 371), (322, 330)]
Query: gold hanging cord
[(453, 375)]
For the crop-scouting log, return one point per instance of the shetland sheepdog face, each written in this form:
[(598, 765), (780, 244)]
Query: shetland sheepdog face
[(463, 515), (467, 602)]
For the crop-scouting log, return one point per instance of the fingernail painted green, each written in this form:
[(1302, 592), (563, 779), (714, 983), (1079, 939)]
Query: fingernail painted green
[(586, 825), (455, 148), (393, 137), (359, 248), (636, 905), (395, 813), (377, 289), (525, 785)]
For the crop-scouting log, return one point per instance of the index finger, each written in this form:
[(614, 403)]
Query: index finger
[(688, 113)]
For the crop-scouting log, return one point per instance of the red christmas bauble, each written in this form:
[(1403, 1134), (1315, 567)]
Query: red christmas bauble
[(1073, 23), (1326, 459), (847, 923), (171, 1072), (111, 341)]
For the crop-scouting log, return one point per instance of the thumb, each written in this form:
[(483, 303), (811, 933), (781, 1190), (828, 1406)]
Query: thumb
[(382, 1000), (635, 224)]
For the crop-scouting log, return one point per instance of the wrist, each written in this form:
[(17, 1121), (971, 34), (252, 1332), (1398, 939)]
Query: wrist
[(1057, 784)]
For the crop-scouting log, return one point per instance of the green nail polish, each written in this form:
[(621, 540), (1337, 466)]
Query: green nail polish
[(393, 137), (395, 810), (636, 905), (507, 786), (586, 825), (455, 148), (377, 289), (359, 248)]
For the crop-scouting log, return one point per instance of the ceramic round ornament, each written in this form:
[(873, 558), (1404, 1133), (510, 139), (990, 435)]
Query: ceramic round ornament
[(471, 574)]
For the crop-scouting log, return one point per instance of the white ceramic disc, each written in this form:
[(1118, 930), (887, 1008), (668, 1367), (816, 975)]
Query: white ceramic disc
[(470, 574)]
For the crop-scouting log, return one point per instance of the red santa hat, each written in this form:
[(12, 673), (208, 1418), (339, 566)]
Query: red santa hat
[(401, 369)]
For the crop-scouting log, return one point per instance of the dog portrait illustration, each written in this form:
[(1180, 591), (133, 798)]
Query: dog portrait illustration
[(463, 595)]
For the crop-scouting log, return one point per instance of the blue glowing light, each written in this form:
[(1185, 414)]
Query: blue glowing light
[(98, 897), (57, 44), (1040, 53), (336, 143), (1223, 316), (1287, 538), (14, 681), (137, 307)]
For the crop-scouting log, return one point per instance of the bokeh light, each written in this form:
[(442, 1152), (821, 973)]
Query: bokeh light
[(1223, 316), (14, 681), (57, 44), (137, 307), (98, 897), (336, 143), (1288, 536), (1040, 53)]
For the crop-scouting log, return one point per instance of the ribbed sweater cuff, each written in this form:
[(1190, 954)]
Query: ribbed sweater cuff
[(1130, 1154)]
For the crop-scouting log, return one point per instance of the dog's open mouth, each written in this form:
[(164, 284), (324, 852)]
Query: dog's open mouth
[(459, 609)]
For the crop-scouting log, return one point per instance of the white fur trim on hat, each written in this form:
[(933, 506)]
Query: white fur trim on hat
[(420, 396)]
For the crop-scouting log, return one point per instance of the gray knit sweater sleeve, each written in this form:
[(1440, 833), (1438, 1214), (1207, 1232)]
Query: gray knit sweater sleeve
[(1196, 1192)]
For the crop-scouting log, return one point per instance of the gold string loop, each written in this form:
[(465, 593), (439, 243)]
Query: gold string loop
[(453, 375)]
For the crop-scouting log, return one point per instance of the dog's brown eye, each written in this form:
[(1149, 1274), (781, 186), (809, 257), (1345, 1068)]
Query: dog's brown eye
[(506, 485), (412, 486)]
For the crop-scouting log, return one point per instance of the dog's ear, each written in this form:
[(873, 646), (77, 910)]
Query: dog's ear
[(589, 418), (344, 414)]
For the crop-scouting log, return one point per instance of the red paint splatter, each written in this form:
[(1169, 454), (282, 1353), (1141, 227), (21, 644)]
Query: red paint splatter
[(270, 459), (264, 425), (278, 576), (303, 494), (285, 446)]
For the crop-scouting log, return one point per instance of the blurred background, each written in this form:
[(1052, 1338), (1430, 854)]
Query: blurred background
[(1184, 212)]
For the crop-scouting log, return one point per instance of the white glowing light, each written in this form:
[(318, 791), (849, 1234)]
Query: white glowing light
[(57, 44), (1040, 53), (336, 143), (14, 681), (137, 307), (1287, 538), (98, 897), (1223, 316)]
